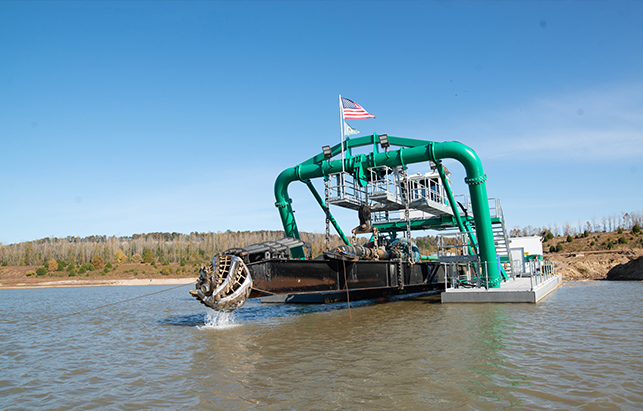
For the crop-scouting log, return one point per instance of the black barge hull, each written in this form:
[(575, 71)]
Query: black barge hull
[(325, 281), (266, 270)]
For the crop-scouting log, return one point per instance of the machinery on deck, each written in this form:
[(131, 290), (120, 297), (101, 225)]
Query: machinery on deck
[(389, 201)]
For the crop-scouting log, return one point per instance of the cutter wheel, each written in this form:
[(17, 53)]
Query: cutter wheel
[(224, 285)]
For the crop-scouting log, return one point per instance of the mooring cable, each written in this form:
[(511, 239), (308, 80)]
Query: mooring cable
[(120, 302), (348, 301)]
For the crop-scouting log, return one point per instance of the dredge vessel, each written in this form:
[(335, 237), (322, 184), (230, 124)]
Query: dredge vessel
[(391, 204)]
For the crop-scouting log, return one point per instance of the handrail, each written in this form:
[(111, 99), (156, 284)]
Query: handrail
[(546, 270)]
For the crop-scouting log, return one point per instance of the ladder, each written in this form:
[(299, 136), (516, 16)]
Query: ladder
[(501, 238)]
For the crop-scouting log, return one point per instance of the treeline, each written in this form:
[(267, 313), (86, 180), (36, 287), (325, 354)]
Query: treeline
[(164, 248), (625, 221)]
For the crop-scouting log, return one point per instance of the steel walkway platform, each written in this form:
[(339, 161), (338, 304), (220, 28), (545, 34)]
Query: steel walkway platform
[(518, 290)]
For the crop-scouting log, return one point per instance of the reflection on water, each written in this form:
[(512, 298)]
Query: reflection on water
[(579, 348)]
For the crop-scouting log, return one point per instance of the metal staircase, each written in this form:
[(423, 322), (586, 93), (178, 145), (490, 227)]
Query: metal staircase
[(500, 236)]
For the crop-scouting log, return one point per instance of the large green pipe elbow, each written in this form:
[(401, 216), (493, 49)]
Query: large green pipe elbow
[(433, 151), (479, 200), (458, 151), (284, 205)]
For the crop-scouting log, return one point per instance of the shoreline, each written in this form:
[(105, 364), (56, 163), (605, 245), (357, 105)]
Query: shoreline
[(98, 283)]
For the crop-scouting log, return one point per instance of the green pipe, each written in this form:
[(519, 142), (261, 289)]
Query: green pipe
[(363, 141), (432, 151), (479, 200), (454, 207), (428, 257), (326, 209)]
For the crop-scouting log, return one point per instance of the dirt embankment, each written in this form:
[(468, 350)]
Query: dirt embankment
[(596, 265), (124, 274), (631, 271)]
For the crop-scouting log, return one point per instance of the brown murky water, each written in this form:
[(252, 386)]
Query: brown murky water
[(578, 349)]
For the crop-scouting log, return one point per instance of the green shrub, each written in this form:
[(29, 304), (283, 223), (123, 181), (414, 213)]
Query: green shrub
[(620, 230), (41, 271), (82, 270), (71, 267), (72, 273), (585, 234), (148, 256), (88, 267), (636, 229), (569, 238), (549, 236), (592, 243), (106, 270), (30, 273), (61, 265), (183, 262), (4, 263), (166, 262), (610, 245), (552, 249), (622, 240), (559, 248), (109, 265)]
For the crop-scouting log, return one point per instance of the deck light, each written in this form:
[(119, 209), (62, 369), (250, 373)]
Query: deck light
[(327, 152), (384, 141)]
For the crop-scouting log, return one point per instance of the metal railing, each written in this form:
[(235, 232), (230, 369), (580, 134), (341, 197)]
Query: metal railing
[(495, 208), (475, 274), (344, 187), (466, 274), (427, 186), (453, 244), (542, 272), (384, 180)]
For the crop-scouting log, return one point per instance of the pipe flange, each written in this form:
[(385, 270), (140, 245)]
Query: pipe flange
[(283, 204), (476, 180), (494, 284)]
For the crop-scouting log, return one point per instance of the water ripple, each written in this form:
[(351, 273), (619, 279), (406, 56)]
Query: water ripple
[(578, 349)]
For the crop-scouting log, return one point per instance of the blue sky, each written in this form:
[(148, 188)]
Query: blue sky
[(130, 117)]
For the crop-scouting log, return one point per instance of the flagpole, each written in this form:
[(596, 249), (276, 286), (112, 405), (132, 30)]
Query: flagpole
[(341, 129)]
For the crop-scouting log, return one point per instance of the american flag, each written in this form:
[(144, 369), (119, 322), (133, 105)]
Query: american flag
[(354, 110)]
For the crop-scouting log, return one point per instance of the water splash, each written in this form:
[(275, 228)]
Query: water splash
[(218, 320)]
